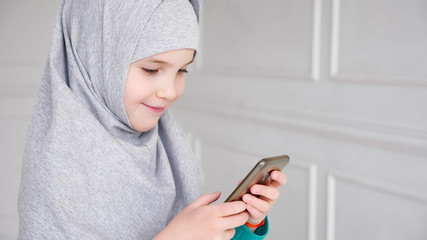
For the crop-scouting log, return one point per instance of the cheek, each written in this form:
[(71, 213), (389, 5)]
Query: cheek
[(136, 90), (180, 87), (131, 95)]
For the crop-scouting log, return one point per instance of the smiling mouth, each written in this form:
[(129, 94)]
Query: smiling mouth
[(155, 109)]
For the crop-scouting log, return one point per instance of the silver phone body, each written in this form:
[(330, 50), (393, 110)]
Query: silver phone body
[(260, 174)]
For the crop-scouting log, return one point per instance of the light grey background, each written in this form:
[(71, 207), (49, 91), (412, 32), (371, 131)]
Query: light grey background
[(339, 85)]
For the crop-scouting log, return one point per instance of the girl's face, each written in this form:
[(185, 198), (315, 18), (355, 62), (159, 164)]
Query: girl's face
[(152, 86)]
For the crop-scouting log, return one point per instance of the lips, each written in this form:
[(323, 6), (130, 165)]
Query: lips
[(155, 109)]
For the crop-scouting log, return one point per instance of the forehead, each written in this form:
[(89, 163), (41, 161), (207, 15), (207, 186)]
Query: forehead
[(170, 58)]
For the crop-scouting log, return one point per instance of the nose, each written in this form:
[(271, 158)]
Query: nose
[(167, 88)]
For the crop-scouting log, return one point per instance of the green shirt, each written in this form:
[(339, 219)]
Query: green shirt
[(243, 232)]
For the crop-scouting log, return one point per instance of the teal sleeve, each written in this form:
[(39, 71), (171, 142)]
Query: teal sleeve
[(243, 232)]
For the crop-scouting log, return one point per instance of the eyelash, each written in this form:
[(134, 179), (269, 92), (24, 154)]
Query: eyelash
[(150, 71), (153, 71)]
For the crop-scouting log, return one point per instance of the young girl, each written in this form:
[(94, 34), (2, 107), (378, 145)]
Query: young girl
[(104, 159)]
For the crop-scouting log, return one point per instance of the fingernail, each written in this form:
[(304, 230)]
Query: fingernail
[(245, 197), (275, 175)]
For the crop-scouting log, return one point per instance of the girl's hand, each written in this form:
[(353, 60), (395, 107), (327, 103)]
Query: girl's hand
[(258, 207), (200, 220)]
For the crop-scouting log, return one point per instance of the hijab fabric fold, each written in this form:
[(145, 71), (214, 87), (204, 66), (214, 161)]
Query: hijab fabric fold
[(86, 173)]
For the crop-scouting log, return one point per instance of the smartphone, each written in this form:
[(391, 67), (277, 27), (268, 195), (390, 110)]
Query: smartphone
[(260, 174)]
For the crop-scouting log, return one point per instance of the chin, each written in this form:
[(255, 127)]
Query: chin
[(144, 127)]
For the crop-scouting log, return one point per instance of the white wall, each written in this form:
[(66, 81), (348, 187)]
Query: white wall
[(338, 85), (25, 33)]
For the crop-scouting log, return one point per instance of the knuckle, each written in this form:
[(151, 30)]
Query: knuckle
[(243, 217), (236, 207), (241, 206)]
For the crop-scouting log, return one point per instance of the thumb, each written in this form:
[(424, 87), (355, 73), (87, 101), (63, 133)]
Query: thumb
[(206, 199)]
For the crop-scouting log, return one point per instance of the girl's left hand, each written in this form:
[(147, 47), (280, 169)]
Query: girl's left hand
[(258, 207)]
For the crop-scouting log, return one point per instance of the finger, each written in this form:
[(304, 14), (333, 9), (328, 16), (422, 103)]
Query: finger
[(230, 208), (258, 204), (269, 192), (279, 178), (206, 199), (255, 213), (229, 234), (234, 221)]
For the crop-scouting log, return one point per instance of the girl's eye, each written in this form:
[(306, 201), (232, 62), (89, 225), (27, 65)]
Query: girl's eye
[(150, 71)]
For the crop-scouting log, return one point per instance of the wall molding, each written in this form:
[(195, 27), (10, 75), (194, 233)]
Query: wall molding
[(335, 27), (412, 81), (332, 179), (385, 188), (330, 207), (379, 134), (312, 202), (315, 54)]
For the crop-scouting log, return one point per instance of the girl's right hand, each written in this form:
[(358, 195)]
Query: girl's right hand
[(200, 220)]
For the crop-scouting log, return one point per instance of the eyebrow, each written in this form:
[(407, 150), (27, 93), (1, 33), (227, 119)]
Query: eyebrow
[(166, 63)]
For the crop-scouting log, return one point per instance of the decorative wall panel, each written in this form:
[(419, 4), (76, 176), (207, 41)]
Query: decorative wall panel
[(360, 209), (273, 38), (379, 40)]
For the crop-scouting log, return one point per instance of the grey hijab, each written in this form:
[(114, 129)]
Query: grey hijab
[(86, 173)]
